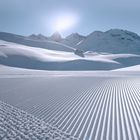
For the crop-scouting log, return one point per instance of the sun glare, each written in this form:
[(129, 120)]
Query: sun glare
[(64, 22)]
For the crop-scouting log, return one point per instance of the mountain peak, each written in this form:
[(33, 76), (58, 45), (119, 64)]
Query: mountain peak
[(56, 36), (95, 33), (38, 37), (124, 33), (75, 35)]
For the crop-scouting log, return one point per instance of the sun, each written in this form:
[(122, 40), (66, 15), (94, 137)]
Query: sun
[(64, 22)]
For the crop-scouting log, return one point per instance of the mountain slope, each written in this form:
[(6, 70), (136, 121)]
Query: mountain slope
[(29, 41), (73, 39), (112, 41)]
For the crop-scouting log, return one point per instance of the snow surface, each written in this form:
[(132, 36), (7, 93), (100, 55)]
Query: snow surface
[(91, 105), (132, 68), (7, 71)]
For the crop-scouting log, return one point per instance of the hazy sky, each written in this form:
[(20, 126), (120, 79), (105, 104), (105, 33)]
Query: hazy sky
[(38, 16)]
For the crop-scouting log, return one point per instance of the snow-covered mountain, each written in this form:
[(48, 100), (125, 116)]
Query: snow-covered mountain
[(112, 41), (39, 40), (73, 39), (56, 37), (35, 41), (108, 50), (38, 37)]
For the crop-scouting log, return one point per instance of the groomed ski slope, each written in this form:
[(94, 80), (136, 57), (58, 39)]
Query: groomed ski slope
[(101, 106), (19, 125)]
